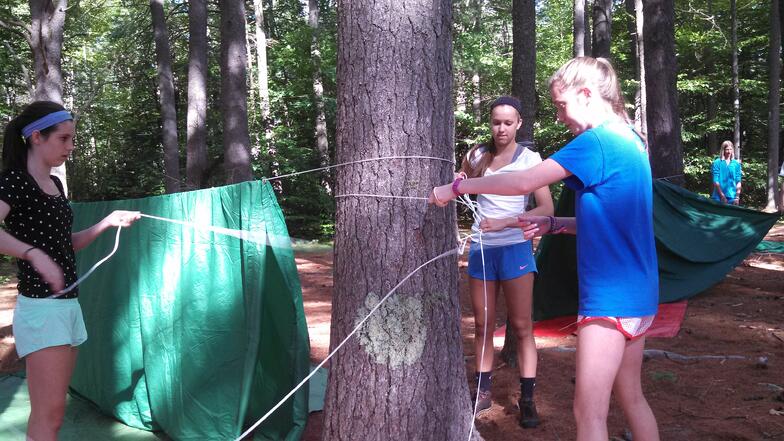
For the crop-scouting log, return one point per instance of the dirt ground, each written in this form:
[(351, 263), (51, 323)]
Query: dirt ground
[(706, 399)]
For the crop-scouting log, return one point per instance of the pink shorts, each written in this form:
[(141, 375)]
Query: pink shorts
[(630, 327)]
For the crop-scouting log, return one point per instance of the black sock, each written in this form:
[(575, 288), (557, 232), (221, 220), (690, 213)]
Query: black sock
[(527, 386), (485, 380)]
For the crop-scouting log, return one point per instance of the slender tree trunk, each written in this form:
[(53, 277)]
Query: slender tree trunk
[(635, 33), (261, 62), (642, 96), (602, 28), (196, 144), (587, 35), (735, 79), (322, 142), (774, 103), (578, 30), (234, 92), (46, 44), (524, 63), (403, 376), (664, 129), (171, 149), (476, 85), (713, 105)]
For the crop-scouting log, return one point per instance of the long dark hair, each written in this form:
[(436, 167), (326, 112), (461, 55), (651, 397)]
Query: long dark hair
[(15, 146)]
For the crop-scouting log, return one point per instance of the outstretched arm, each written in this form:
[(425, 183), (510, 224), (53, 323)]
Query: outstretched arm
[(509, 184), (118, 218)]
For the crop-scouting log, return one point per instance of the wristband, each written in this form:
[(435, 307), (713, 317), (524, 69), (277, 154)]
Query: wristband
[(24, 255), (553, 229), (454, 187)]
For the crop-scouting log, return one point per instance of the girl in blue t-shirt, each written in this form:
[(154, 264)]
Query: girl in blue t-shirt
[(505, 259), (607, 166), (48, 325), (726, 176)]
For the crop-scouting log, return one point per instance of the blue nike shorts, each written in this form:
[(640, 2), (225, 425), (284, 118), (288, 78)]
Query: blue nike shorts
[(501, 263)]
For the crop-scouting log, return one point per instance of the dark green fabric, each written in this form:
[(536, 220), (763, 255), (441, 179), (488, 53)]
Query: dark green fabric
[(698, 241), (191, 332)]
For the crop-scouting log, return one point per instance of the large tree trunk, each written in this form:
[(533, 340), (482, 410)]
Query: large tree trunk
[(171, 149), (774, 103), (403, 377), (234, 92), (735, 79), (602, 28), (664, 129), (46, 44), (524, 63), (196, 149), (318, 89), (578, 29)]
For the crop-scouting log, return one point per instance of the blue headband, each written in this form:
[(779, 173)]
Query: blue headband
[(47, 121)]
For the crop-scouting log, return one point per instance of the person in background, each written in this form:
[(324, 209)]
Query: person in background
[(726, 176)]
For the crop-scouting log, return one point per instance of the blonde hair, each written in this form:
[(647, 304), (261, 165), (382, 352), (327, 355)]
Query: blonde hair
[(597, 73), (724, 145)]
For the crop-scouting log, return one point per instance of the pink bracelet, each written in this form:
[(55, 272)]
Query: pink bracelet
[(455, 184)]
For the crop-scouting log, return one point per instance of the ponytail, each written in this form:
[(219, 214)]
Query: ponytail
[(15, 146)]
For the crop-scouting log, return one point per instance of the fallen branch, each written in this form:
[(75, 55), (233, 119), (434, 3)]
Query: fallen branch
[(659, 354)]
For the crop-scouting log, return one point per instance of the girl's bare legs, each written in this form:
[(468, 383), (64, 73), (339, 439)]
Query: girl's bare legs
[(628, 391), (48, 376), (477, 288), (600, 351), (519, 293)]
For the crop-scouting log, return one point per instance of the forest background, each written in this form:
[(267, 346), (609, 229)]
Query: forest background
[(110, 78)]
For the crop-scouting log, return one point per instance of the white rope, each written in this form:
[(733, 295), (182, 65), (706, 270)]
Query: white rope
[(484, 339), (350, 334), (357, 162), (87, 274), (381, 196)]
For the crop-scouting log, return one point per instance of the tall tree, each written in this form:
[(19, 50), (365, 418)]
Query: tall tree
[(602, 28), (579, 29), (318, 88), (261, 62), (45, 37), (664, 128), (774, 103), (234, 92), (171, 149), (196, 144), (391, 103), (476, 28), (713, 105), (634, 9), (735, 78), (524, 63)]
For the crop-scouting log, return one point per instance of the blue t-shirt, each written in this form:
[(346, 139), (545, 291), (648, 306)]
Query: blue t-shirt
[(727, 176), (616, 253)]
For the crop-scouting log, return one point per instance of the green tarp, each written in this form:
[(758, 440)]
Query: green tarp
[(698, 241), (191, 332)]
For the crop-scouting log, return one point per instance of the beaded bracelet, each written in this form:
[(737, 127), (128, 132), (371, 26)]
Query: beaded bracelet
[(455, 184)]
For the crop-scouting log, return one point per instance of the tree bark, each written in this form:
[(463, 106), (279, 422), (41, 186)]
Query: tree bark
[(171, 149), (713, 105), (635, 34), (602, 28), (322, 142), (234, 92), (587, 36), (46, 44), (196, 143), (524, 63), (578, 29), (774, 103), (403, 377), (664, 129), (476, 28), (735, 79)]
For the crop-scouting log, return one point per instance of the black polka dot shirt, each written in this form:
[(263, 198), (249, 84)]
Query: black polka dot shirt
[(43, 221)]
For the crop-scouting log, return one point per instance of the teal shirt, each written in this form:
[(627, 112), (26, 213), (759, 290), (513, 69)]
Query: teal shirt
[(728, 177)]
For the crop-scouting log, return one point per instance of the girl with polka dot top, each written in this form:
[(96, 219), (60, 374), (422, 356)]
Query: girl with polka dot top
[(48, 324)]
